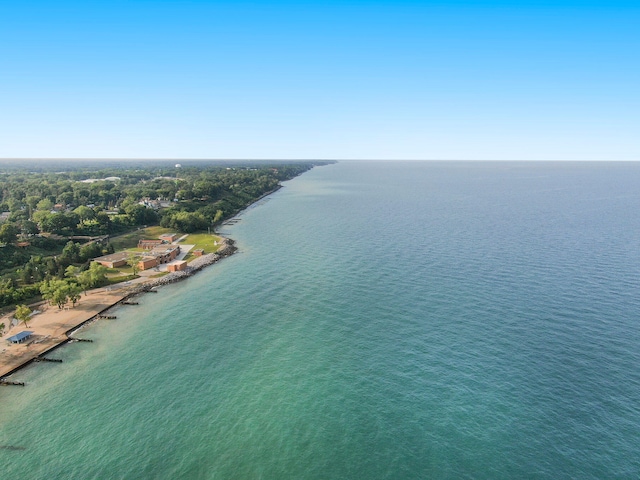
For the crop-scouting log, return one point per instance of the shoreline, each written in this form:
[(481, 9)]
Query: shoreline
[(108, 297), (61, 324)]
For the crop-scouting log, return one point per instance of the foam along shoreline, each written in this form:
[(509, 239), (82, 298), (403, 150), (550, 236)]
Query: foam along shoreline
[(53, 327)]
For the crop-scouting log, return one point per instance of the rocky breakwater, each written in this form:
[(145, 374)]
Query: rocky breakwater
[(227, 248)]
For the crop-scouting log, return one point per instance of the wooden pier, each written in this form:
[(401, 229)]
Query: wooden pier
[(8, 382), (45, 359)]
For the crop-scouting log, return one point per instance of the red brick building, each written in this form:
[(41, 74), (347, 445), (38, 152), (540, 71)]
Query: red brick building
[(177, 266)]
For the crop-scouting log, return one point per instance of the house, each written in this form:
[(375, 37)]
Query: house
[(147, 262), (158, 255), (169, 237), (20, 337), (4, 216), (198, 252), (114, 260), (147, 202), (149, 244), (177, 266), (165, 253), (106, 179)]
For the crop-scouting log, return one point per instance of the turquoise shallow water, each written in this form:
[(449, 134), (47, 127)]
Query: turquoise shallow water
[(382, 320)]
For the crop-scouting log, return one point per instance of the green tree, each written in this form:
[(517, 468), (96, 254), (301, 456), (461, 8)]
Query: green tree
[(98, 274), (104, 222), (85, 281), (41, 216), (140, 215), (8, 233), (84, 213), (45, 205), (55, 292), (71, 272), (32, 202), (29, 227), (62, 223), (71, 252), (89, 251), (61, 295), (133, 263), (94, 277), (23, 314), (185, 222), (74, 292), (46, 290)]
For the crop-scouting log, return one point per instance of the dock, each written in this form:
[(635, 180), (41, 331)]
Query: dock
[(231, 221), (45, 359), (8, 382)]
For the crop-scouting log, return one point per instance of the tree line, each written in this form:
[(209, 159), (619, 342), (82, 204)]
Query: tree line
[(63, 203), (43, 204)]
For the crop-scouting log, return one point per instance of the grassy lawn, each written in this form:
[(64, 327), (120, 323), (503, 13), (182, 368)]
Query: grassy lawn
[(130, 240), (204, 241)]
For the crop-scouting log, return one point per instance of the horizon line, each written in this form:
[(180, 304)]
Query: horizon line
[(201, 159)]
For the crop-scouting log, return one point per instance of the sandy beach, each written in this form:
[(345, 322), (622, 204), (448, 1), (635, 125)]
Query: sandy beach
[(49, 327), (51, 324)]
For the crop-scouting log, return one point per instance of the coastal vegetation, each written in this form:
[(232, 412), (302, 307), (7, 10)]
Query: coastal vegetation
[(23, 314), (56, 217)]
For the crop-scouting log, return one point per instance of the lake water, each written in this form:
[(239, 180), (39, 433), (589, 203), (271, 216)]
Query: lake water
[(382, 320)]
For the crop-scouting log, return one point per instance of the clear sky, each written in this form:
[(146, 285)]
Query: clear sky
[(333, 79)]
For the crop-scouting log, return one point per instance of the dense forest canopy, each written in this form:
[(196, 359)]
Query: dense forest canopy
[(50, 210), (86, 200)]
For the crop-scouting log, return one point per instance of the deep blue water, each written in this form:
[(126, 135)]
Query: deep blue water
[(382, 320)]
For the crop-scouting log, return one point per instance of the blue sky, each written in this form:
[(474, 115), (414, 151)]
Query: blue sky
[(343, 80)]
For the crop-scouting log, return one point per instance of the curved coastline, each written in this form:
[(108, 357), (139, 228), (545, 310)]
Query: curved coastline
[(61, 324), (92, 309)]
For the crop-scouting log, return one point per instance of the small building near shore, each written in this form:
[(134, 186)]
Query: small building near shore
[(149, 244), (165, 253), (169, 237), (177, 266), (158, 255), (20, 337), (145, 263), (198, 252), (114, 260)]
